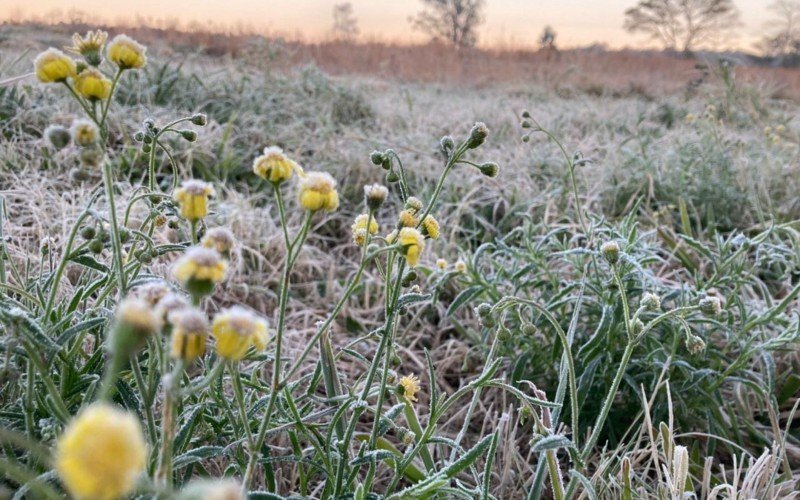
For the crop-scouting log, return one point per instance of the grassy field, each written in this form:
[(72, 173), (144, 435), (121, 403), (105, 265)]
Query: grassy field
[(615, 316)]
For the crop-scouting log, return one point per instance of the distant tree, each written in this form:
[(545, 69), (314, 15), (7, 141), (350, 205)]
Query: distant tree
[(548, 39), (455, 21), (783, 37), (345, 24), (683, 24)]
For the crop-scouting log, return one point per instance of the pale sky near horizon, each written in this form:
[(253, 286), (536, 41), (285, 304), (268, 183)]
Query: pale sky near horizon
[(508, 22)]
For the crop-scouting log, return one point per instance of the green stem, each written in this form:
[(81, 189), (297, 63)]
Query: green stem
[(116, 242), (171, 393)]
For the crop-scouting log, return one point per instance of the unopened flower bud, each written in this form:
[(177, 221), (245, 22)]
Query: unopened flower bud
[(88, 232), (710, 306), (610, 251), (375, 195), (651, 302), (199, 119), (695, 344), (447, 144), (376, 157), (477, 135), (135, 322), (138, 136), (189, 135), (483, 310), (636, 326), (392, 177), (58, 136), (489, 169)]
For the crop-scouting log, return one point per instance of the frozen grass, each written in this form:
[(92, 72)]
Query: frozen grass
[(699, 187)]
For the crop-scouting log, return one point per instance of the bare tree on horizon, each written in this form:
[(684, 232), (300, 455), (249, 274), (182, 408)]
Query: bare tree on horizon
[(783, 37), (455, 21), (683, 25), (345, 23)]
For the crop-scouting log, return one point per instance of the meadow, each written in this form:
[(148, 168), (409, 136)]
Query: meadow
[(583, 282)]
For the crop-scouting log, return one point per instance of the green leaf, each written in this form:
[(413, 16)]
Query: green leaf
[(464, 297), (90, 262), (412, 298), (197, 455)]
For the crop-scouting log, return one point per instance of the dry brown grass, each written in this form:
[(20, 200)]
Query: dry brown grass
[(649, 74)]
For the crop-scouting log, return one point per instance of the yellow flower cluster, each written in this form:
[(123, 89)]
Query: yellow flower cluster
[(189, 331), (235, 330), (192, 198), (409, 385), (101, 453), (430, 227), (318, 192), (274, 166), (89, 46), (360, 229)]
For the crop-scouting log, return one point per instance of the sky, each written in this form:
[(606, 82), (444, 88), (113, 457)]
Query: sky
[(507, 22)]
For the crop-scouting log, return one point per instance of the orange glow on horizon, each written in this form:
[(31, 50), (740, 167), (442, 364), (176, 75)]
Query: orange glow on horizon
[(508, 23)]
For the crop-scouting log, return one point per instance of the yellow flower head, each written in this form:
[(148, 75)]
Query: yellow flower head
[(274, 166), (460, 266), (412, 243), (199, 269), (409, 385), (52, 65), (407, 218), (359, 228), (84, 132), (92, 85), (318, 192), (375, 195), (220, 239), (441, 264), (126, 52), (101, 453), (430, 227), (192, 197), (189, 332), (236, 329), (89, 46)]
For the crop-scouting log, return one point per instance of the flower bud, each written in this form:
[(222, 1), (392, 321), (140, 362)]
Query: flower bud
[(636, 326), (199, 119), (710, 306), (489, 169), (376, 157), (58, 136), (695, 344), (375, 195), (135, 322), (483, 310), (88, 232), (477, 135), (138, 136), (447, 144), (651, 302), (189, 135), (610, 251), (526, 113), (392, 177)]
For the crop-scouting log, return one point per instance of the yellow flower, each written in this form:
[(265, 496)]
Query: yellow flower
[(430, 227), (460, 266), (101, 453), (171, 303), (199, 269), (52, 65), (126, 52), (92, 85), (84, 132), (407, 218), (274, 166), (410, 387), (235, 330), (359, 228), (192, 197), (220, 239), (441, 264), (89, 46), (375, 195), (412, 243), (189, 332), (318, 192)]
